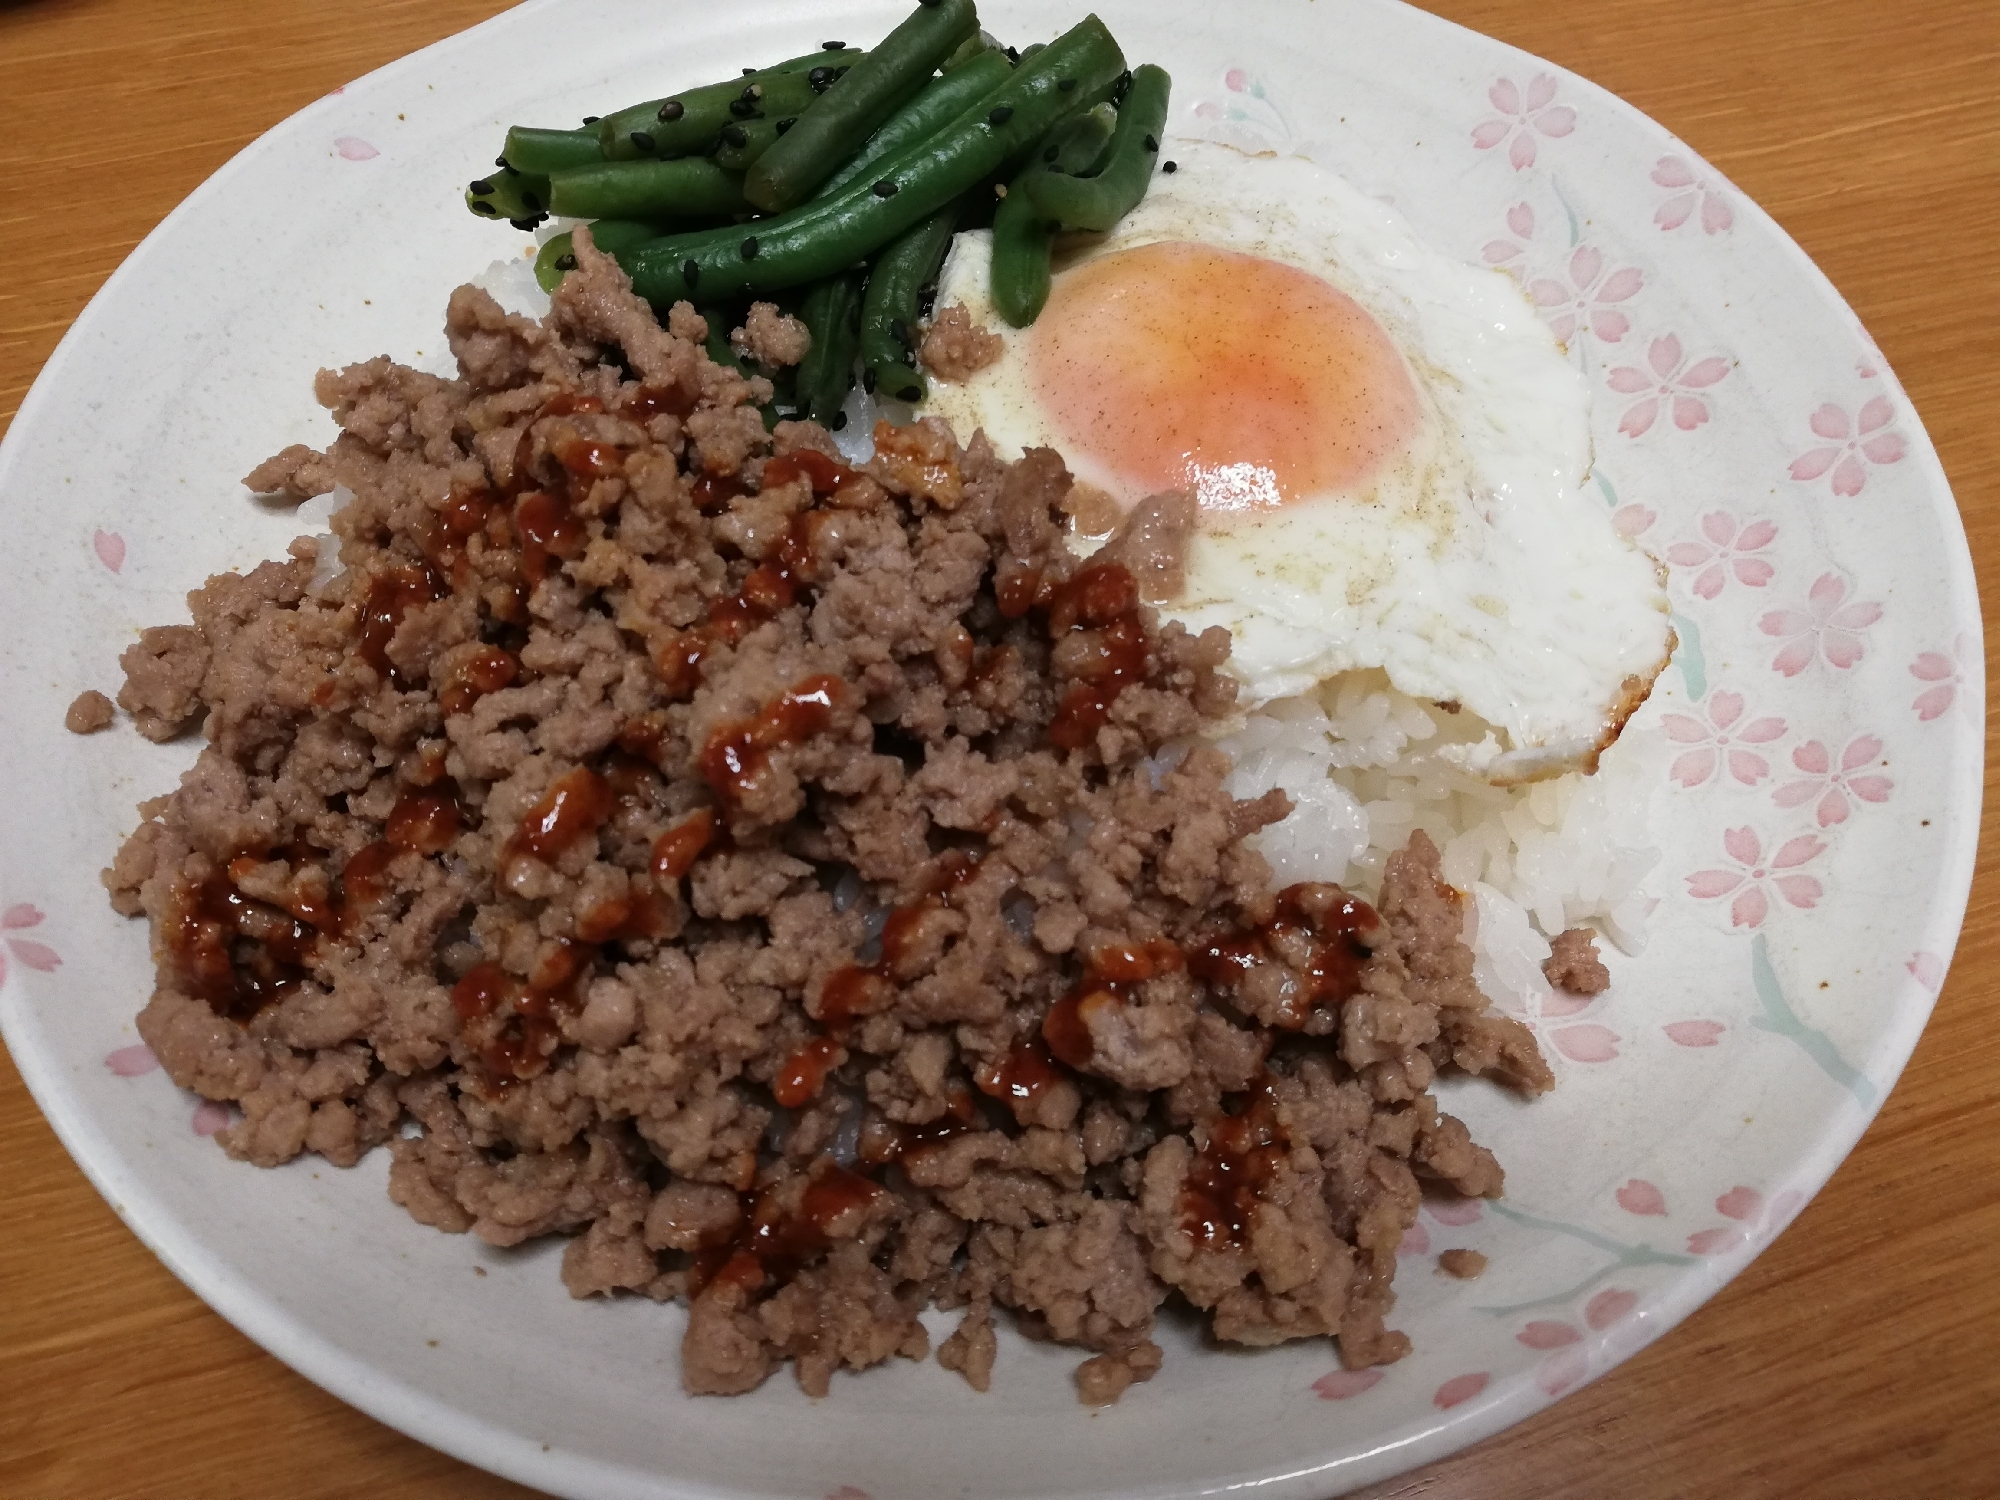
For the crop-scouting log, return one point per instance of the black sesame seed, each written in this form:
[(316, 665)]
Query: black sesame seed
[(691, 272), (481, 185), (735, 135), (787, 123), (1065, 84), (1000, 114), (926, 300), (1013, 54), (743, 109), (833, 46), (819, 79), (565, 262), (1152, 143), (750, 248), (487, 209), (914, 392), (749, 72), (899, 331), (927, 4), (642, 140), (839, 421), (526, 224), (753, 91), (592, 119), (868, 380), (1170, 166), (671, 111), (1122, 87), (500, 161), (885, 189)]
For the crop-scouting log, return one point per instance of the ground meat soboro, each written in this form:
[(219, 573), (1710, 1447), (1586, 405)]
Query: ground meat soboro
[(804, 886)]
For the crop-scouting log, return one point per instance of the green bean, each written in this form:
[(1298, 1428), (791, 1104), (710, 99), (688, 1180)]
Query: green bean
[(691, 187), (835, 124), (541, 152), (930, 109), (506, 194), (743, 141), (973, 46), (889, 309), (1021, 236), (687, 124), (901, 190), (1101, 201), (557, 257), (832, 313)]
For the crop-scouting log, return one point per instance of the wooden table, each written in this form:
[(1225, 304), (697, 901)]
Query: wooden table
[(1855, 1358)]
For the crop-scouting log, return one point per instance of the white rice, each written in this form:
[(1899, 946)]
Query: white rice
[(1362, 764)]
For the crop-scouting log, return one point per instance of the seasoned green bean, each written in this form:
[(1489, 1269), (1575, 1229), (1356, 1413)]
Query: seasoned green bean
[(558, 258), (1100, 201), (691, 187), (930, 109), (743, 141), (889, 309), (831, 310), (688, 123), (835, 124), (1021, 236), (901, 190), (539, 153), (506, 194)]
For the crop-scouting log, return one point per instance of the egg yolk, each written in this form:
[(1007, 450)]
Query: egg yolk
[(1252, 382)]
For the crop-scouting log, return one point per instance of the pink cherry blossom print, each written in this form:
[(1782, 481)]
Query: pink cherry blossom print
[(1457, 1212), (1523, 116), (1608, 1306), (1639, 1196), (209, 1117), (110, 549), (1547, 1334), (1236, 80), (1588, 1043), (353, 148), (1586, 298), (1740, 1203), (1945, 672), (1852, 445), (26, 951), (130, 1062), (1726, 549), (1562, 1370), (1831, 787), (1338, 1385), (1459, 1389), (1715, 1241), (1521, 223), (1828, 628), (1667, 383), (1694, 1033), (1416, 1241), (1721, 743), (1928, 970), (1689, 192), (1633, 521), (1752, 879)]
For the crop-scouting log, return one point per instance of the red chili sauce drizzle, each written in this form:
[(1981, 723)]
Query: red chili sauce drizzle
[(1102, 599), (391, 596), (1330, 939), (773, 585), (238, 953), (738, 753), (1107, 983), (520, 1024), (773, 1246), (1231, 1172), (486, 671), (572, 808)]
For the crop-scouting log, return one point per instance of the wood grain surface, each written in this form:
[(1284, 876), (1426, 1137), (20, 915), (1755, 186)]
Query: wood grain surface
[(1856, 1358)]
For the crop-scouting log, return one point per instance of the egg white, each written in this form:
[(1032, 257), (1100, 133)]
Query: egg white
[(1474, 568)]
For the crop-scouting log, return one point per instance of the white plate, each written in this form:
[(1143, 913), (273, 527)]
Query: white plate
[(1818, 806)]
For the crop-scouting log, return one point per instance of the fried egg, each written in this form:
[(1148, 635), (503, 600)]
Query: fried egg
[(1388, 448)]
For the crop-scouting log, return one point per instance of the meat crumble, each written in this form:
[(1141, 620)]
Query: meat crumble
[(803, 885)]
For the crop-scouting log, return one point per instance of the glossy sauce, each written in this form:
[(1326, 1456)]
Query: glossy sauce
[(234, 953), (773, 1246), (520, 1023), (391, 596), (486, 671), (773, 585), (1229, 1174), (1332, 939), (1107, 983), (856, 990), (676, 850), (803, 1074), (737, 754), (1101, 598), (569, 811)]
